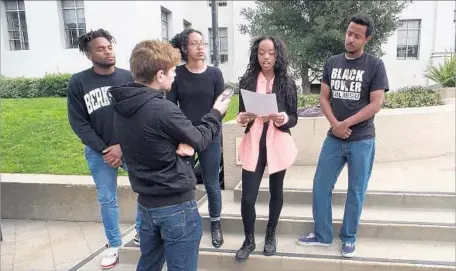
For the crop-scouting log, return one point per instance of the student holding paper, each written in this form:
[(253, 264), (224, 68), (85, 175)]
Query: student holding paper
[(267, 139)]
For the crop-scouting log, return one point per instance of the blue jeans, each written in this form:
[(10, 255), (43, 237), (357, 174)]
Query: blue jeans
[(105, 178), (335, 153), (209, 160), (172, 233)]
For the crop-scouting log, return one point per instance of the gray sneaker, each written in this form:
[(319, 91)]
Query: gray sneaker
[(348, 250), (310, 240)]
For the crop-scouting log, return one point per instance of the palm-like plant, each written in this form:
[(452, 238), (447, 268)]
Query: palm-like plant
[(445, 73)]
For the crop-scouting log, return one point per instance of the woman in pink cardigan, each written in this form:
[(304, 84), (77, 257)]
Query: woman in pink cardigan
[(267, 139)]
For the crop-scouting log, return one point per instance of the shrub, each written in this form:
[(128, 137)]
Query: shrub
[(51, 85), (54, 85), (233, 86), (310, 100), (445, 73), (412, 96), (18, 87)]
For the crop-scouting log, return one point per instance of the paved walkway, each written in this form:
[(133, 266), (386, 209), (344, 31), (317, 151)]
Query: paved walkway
[(49, 245)]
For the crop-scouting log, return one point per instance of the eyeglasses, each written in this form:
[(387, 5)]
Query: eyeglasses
[(197, 44)]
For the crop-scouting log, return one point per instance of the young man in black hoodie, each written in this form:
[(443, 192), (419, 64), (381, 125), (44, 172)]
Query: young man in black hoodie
[(157, 142), (91, 117)]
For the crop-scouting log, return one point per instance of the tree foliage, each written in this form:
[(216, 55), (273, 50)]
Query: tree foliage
[(315, 30)]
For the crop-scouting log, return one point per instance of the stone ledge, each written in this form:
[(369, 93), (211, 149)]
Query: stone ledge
[(402, 134), (62, 197)]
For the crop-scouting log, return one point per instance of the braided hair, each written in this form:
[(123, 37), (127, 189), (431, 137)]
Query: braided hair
[(85, 39)]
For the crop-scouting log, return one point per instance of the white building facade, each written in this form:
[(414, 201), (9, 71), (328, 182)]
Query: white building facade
[(426, 35), (36, 37)]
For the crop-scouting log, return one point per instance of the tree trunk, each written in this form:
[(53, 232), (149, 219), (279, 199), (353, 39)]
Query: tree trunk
[(305, 83)]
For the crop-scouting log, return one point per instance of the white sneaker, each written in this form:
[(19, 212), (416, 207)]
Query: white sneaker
[(110, 258)]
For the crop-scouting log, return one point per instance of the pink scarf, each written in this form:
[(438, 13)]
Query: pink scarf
[(280, 146)]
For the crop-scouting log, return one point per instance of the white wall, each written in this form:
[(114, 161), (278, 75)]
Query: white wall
[(238, 44), (437, 35), (128, 21), (133, 21), (46, 43)]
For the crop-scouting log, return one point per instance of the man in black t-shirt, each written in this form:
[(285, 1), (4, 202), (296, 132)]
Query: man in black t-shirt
[(91, 117), (352, 92)]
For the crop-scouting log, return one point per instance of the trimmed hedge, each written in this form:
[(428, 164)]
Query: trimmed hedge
[(412, 96), (55, 85), (51, 85), (310, 100)]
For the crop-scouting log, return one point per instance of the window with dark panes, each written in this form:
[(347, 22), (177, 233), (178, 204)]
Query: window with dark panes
[(165, 15), (408, 39), (74, 21), (222, 46), (16, 25)]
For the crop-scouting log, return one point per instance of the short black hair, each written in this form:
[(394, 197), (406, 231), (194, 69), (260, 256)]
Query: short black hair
[(180, 41), (363, 19), (85, 39)]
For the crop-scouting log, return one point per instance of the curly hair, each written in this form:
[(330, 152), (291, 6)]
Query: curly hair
[(286, 86), (84, 40), (180, 41)]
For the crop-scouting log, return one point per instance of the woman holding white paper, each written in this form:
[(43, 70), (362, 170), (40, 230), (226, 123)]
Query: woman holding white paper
[(267, 139)]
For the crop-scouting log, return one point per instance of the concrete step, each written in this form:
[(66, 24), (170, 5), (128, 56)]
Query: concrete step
[(372, 254), (389, 239), (376, 222), (425, 183)]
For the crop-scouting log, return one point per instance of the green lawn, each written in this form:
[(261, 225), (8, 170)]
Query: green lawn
[(36, 137)]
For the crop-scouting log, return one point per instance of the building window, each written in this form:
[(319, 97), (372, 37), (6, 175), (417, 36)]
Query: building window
[(187, 25), (165, 16), (408, 39), (17, 25), (223, 45), (220, 3), (74, 21)]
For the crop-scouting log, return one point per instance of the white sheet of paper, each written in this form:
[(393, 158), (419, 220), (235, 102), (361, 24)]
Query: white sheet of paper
[(259, 104)]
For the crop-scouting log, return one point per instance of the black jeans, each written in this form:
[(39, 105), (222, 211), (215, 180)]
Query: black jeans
[(250, 185)]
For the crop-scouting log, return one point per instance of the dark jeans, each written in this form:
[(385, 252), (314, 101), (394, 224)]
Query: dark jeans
[(335, 153), (209, 160), (250, 186), (172, 233)]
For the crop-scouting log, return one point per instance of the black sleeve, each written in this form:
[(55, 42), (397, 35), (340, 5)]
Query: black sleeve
[(180, 129), (292, 108), (79, 118), (380, 79), (241, 101), (219, 84), (172, 94), (326, 77)]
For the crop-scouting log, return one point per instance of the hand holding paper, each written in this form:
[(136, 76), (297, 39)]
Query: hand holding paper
[(259, 104)]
